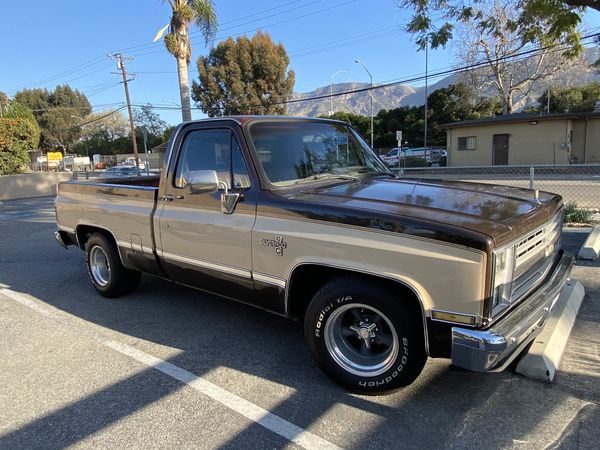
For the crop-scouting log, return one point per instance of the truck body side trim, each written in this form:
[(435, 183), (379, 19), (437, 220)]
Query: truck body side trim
[(243, 273), (269, 279)]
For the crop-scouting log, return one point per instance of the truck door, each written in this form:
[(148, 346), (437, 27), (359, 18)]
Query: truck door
[(200, 244)]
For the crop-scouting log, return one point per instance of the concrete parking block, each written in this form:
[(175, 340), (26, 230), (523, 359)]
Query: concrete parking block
[(543, 357), (591, 248)]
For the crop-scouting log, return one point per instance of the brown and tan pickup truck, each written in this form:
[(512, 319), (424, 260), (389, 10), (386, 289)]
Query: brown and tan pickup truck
[(299, 217)]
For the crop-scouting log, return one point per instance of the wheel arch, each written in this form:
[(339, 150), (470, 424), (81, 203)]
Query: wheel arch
[(307, 278), (84, 231)]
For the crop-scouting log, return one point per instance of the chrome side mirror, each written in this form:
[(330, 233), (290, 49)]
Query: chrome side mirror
[(228, 200), (201, 181)]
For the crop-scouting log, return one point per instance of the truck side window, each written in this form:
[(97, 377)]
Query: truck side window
[(216, 150)]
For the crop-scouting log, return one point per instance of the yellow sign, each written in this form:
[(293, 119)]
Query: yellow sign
[(54, 156)]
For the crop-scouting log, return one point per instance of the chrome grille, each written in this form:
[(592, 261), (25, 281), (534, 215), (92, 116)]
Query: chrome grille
[(534, 256)]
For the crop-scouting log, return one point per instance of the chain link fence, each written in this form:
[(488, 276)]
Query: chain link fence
[(576, 183)]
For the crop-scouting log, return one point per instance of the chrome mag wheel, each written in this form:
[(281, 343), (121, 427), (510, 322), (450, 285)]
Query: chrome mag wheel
[(361, 339), (99, 266)]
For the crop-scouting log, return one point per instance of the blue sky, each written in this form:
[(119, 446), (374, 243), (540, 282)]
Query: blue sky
[(53, 42)]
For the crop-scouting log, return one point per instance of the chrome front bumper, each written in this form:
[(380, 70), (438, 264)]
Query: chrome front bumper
[(493, 349)]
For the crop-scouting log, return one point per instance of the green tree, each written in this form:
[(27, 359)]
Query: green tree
[(452, 104), (167, 133), (146, 118), (37, 100), (244, 76), (571, 99), (60, 128), (58, 114), (455, 103), (19, 133), (103, 132), (113, 125), (65, 97), (543, 22), (183, 12), (362, 124), (497, 31)]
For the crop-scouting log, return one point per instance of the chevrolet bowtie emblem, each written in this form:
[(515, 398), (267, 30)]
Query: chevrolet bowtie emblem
[(278, 243)]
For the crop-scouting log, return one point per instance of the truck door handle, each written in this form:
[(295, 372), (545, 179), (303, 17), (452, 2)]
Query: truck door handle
[(171, 197)]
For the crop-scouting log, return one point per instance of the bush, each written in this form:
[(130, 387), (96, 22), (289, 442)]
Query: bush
[(414, 161), (19, 132), (572, 214), (17, 136)]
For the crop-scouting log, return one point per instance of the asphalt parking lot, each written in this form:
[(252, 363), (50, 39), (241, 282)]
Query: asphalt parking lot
[(171, 367)]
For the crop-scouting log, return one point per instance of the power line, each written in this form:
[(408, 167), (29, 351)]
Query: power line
[(289, 20), (151, 45), (260, 28), (332, 45), (105, 88), (434, 75), (465, 68), (90, 63), (77, 68), (102, 117)]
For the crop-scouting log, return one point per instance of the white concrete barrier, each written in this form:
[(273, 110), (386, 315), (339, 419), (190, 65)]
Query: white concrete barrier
[(26, 185), (543, 357), (591, 248)]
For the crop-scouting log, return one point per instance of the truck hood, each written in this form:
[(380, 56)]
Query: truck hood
[(500, 213)]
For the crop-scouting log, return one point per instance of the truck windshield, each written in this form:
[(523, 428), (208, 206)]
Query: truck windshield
[(292, 153)]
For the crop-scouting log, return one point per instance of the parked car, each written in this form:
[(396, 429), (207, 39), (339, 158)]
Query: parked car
[(131, 162), (391, 158), (301, 218), (121, 171), (396, 156)]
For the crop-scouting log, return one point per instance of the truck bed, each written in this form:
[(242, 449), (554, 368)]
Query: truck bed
[(124, 207)]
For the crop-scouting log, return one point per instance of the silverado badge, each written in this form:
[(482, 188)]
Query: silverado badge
[(278, 243)]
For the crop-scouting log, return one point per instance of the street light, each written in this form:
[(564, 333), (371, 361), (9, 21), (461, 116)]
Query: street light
[(370, 95), (331, 90)]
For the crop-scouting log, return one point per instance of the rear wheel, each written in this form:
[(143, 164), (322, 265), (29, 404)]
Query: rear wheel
[(364, 337), (105, 269)]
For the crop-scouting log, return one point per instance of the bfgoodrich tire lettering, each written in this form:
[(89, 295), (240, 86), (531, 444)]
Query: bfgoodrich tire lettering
[(364, 336), (105, 270)]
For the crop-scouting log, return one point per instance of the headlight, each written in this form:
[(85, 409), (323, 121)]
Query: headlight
[(504, 265)]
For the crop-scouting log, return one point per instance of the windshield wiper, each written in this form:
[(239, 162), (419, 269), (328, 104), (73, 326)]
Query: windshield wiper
[(368, 171), (326, 176)]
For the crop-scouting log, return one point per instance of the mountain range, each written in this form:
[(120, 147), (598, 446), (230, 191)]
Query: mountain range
[(394, 96)]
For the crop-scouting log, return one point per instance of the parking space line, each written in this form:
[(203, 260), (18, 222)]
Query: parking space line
[(237, 404)]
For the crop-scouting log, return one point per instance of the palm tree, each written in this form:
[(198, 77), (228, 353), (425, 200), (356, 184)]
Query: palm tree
[(202, 14)]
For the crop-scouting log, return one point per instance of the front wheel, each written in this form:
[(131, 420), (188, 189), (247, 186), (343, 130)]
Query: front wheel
[(364, 337)]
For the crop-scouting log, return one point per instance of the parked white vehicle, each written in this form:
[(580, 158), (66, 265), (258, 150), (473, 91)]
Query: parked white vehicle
[(391, 158), (394, 157)]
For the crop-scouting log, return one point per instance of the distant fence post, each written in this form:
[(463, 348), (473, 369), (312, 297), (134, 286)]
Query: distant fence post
[(531, 177)]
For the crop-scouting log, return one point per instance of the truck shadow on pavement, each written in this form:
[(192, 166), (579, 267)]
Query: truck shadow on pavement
[(444, 408)]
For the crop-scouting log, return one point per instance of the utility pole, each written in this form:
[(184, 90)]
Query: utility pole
[(121, 66), (426, 92)]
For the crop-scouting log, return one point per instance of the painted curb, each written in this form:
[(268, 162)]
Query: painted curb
[(591, 248), (543, 357)]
